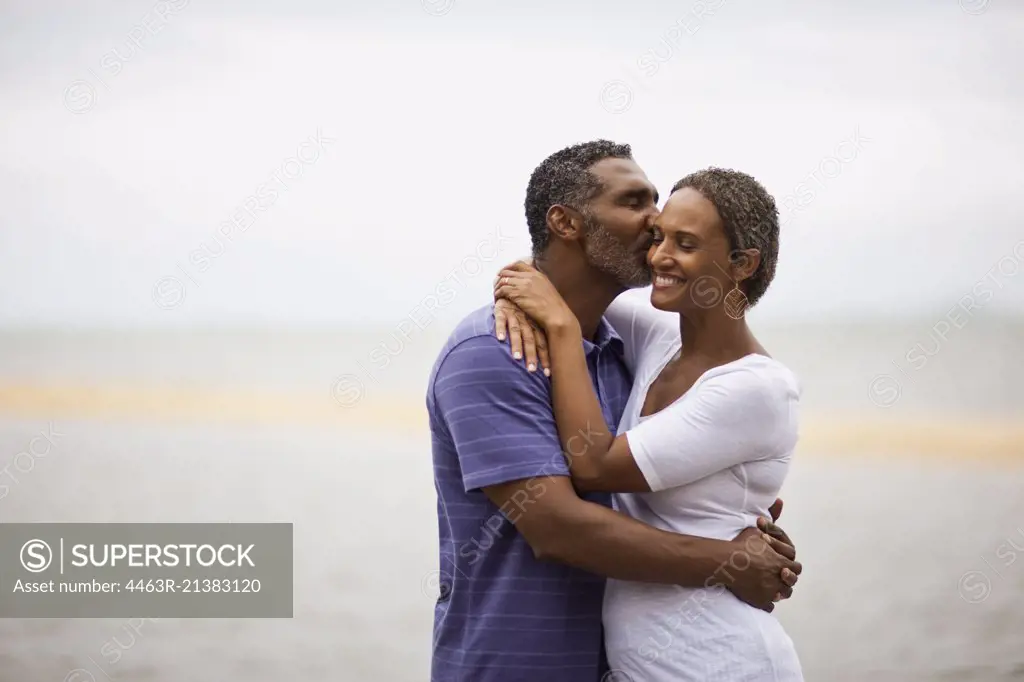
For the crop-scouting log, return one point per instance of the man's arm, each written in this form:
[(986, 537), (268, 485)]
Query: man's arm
[(559, 526), (499, 418)]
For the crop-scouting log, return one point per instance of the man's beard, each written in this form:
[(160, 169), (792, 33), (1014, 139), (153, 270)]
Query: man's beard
[(626, 264)]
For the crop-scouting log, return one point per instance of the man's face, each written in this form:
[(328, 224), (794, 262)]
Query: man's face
[(618, 222)]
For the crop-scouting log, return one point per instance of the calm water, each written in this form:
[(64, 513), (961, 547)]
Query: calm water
[(975, 369), (886, 540)]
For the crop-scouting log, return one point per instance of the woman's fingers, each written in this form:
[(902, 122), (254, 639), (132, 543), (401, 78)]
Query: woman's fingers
[(506, 276), (510, 270), (506, 291), (515, 288), (515, 337), (503, 309), (531, 294), (542, 350), (529, 342), (510, 266), (499, 322), (499, 281), (526, 339), (518, 266)]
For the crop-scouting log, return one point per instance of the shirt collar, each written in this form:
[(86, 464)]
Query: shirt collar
[(605, 338)]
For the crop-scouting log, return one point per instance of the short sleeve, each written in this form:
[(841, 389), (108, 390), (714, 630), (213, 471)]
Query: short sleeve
[(738, 416), (645, 330), (497, 414)]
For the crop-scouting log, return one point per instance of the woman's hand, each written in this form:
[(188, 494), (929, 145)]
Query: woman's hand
[(535, 295), (525, 338)]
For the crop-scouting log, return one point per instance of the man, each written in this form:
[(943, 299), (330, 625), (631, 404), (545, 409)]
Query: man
[(523, 558)]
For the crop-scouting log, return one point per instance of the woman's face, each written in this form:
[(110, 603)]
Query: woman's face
[(689, 255)]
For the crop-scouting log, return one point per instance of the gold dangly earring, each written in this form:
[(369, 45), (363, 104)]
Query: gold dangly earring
[(735, 302)]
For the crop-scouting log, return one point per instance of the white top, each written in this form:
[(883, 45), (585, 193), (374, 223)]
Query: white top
[(715, 460)]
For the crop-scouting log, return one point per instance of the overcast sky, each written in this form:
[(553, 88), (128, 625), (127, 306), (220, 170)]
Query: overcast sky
[(130, 134)]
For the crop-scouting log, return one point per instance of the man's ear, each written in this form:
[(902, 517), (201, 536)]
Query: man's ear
[(565, 222)]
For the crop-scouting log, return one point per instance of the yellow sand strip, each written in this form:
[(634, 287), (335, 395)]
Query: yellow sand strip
[(205, 405), (964, 438), (940, 437)]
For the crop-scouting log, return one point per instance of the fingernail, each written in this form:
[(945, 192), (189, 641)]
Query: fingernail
[(517, 356), (786, 573), (767, 538), (501, 337), (547, 372), (532, 367)]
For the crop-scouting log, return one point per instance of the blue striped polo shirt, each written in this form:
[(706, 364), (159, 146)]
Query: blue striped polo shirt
[(504, 616)]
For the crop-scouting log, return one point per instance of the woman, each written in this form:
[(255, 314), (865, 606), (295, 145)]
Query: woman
[(705, 442)]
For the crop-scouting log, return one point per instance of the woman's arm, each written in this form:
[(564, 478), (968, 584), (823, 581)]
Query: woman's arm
[(597, 460), (736, 417), (742, 414), (594, 456), (739, 415)]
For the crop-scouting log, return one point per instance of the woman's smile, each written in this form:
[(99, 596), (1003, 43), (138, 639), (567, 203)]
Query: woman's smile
[(667, 281)]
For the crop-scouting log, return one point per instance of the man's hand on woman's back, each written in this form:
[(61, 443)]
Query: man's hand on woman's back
[(761, 570)]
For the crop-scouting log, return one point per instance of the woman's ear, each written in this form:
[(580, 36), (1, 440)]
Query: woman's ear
[(744, 263)]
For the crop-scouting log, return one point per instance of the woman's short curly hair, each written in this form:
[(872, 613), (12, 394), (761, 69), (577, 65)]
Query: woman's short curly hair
[(749, 217)]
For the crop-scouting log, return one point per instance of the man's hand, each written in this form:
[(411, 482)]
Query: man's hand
[(766, 548), (771, 529), (561, 527), (761, 570)]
